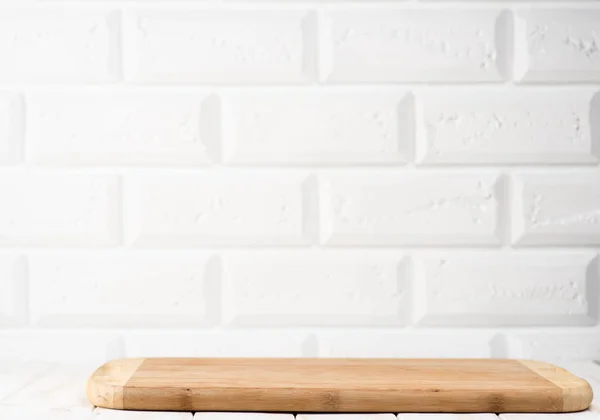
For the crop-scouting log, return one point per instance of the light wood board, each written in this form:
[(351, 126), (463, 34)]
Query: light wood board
[(337, 385)]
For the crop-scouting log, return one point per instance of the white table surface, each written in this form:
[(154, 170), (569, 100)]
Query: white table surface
[(40, 391)]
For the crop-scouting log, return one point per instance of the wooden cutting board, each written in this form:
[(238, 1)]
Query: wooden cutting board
[(337, 385)]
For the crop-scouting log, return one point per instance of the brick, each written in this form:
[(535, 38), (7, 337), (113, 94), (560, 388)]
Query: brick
[(53, 45), (220, 209), (51, 209), (557, 45), (388, 208), (501, 289), (13, 289), (217, 344), (515, 127), (168, 128), (318, 126), (319, 289), (406, 344), (558, 345), (414, 45), (129, 290), (106, 414), (11, 130), (557, 208), (70, 347), (220, 46)]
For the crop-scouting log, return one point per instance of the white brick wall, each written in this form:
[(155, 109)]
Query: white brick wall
[(58, 209), (68, 45), (520, 126), (325, 178), (13, 290), (426, 45), (220, 46), (557, 45), (11, 127), (506, 289), (122, 290), (557, 208), (114, 127), (318, 126), (346, 288), (217, 209), (387, 208)]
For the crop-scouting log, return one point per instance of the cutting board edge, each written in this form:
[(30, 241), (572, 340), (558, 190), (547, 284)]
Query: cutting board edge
[(105, 387), (577, 392)]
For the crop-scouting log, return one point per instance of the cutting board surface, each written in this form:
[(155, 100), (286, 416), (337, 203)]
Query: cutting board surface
[(337, 385)]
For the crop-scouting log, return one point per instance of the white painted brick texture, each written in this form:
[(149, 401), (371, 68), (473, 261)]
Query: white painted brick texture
[(336, 178), (557, 45), (506, 289), (416, 209), (111, 127), (520, 126), (69, 45), (13, 290), (557, 208), (318, 127), (220, 46), (11, 127), (323, 289), (50, 209), (426, 45), (232, 209), (87, 290)]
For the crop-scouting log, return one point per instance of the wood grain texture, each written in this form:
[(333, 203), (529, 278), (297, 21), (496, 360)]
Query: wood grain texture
[(576, 391), (106, 387), (337, 385)]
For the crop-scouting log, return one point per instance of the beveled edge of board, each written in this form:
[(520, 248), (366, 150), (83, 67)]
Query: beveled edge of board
[(577, 392), (105, 386)]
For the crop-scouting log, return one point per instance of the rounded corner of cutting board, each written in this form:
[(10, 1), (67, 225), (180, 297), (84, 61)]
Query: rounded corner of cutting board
[(105, 386), (578, 397), (577, 393)]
